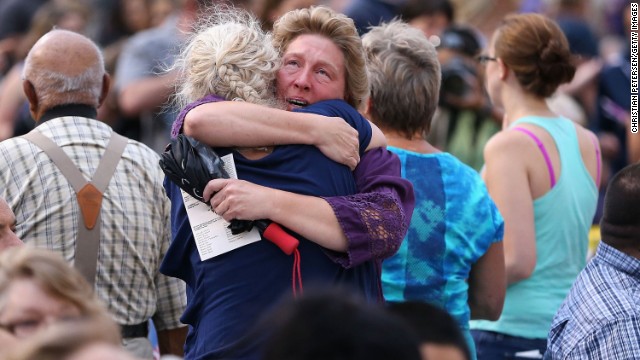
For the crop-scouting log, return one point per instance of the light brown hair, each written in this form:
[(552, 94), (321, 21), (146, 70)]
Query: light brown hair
[(52, 274), (536, 50), (321, 20), (62, 340)]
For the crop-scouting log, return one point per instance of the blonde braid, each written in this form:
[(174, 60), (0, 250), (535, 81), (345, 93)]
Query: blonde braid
[(231, 56)]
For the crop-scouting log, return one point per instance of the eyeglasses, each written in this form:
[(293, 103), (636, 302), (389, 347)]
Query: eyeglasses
[(484, 59)]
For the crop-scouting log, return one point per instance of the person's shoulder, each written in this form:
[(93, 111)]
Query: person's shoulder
[(340, 108), (16, 148), (141, 155), (506, 143), (329, 106), (140, 148), (12, 142), (595, 300), (452, 161)]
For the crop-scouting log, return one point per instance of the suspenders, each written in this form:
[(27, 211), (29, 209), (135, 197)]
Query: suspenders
[(88, 194)]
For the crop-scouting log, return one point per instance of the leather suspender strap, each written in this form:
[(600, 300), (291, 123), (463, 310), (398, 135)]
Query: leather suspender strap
[(88, 195), (62, 161)]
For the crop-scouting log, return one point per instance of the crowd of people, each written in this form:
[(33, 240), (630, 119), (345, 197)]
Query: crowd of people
[(438, 185)]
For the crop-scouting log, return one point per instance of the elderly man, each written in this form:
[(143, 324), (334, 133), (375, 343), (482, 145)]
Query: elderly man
[(600, 318), (114, 227)]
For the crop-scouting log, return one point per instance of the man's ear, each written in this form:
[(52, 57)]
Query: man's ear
[(30, 92), (106, 85)]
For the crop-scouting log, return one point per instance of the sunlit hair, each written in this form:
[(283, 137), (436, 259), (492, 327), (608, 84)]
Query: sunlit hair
[(321, 20), (228, 55), (52, 274), (56, 88), (64, 339), (536, 50), (404, 73)]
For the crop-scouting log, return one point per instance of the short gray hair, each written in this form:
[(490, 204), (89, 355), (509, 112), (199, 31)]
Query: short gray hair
[(404, 74)]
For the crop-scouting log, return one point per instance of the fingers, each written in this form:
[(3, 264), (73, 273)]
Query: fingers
[(222, 209), (213, 187), (353, 161)]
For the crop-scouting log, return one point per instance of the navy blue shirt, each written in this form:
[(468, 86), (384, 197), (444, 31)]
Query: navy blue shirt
[(227, 294)]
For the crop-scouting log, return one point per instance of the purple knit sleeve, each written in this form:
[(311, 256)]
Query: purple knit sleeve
[(176, 128), (377, 218)]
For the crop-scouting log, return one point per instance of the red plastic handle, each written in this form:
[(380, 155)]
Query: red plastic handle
[(282, 239)]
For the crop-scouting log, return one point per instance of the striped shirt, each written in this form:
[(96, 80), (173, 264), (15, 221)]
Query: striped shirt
[(600, 319), (135, 231)]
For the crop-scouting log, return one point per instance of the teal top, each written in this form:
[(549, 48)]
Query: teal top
[(453, 224), (562, 218)]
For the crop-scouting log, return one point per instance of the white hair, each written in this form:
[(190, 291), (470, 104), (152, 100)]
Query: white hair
[(57, 88)]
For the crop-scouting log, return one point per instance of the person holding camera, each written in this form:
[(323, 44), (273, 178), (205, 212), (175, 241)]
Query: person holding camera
[(465, 119)]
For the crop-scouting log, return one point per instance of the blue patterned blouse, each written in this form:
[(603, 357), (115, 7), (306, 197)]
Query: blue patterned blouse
[(453, 224)]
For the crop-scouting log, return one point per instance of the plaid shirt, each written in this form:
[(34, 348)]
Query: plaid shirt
[(600, 319), (135, 230)]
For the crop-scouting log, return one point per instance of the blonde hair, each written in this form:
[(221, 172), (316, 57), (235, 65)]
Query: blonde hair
[(63, 339), (229, 55), (52, 274), (321, 20)]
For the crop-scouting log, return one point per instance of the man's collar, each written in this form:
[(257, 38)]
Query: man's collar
[(69, 110)]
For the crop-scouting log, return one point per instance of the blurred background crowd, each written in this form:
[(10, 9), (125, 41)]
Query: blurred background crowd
[(140, 39)]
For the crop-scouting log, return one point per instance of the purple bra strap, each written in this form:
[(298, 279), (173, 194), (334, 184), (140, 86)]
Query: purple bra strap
[(552, 175), (598, 160)]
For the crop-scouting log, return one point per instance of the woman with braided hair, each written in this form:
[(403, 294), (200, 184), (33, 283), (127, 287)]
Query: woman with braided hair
[(228, 58)]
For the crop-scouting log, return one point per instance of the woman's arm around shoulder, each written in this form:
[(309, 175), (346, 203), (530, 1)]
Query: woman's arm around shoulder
[(235, 123)]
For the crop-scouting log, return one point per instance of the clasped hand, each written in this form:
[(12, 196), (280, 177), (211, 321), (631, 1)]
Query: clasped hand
[(239, 199)]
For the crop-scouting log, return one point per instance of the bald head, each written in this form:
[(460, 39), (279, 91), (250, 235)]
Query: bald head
[(62, 68)]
